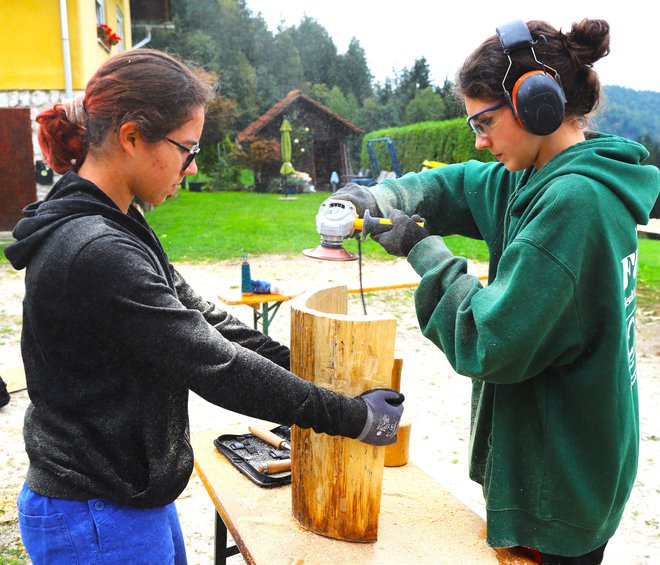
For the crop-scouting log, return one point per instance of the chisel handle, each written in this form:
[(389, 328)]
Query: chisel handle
[(275, 466), (270, 437)]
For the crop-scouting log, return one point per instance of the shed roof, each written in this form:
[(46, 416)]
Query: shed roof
[(295, 97)]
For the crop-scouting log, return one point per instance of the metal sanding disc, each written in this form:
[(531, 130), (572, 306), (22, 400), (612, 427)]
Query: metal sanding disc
[(330, 254)]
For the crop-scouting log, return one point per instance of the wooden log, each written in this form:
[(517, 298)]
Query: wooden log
[(397, 368), (396, 455), (336, 481)]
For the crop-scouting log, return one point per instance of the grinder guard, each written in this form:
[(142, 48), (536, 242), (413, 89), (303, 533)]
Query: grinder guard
[(336, 221)]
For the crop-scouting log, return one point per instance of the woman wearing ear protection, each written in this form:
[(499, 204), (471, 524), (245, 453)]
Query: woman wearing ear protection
[(114, 338), (550, 343)]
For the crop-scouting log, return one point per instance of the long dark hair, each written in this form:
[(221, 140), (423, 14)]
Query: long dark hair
[(153, 89)]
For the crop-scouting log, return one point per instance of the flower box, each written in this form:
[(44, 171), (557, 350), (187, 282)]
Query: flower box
[(106, 36)]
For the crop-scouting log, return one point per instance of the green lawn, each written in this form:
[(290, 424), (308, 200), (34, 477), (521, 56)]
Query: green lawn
[(208, 226), (648, 278), (213, 226), (205, 226)]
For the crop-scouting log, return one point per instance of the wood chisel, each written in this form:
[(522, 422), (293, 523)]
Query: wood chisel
[(271, 438), (275, 466)]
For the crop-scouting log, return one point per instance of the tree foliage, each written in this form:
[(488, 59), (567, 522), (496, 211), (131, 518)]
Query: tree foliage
[(630, 113), (352, 74), (257, 67), (317, 51), (426, 105)]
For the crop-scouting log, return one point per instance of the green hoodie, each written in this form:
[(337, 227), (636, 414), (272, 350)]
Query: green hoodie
[(550, 342)]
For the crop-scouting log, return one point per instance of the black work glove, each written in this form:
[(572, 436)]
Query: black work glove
[(403, 236), (361, 197), (384, 409)]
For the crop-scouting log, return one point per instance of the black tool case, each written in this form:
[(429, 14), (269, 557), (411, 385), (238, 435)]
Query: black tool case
[(246, 452)]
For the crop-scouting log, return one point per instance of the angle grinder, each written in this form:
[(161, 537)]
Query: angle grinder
[(336, 221)]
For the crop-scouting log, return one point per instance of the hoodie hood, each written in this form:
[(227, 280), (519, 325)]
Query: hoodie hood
[(72, 197), (614, 162)]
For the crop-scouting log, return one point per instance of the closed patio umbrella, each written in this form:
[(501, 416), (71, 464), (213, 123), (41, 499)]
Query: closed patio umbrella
[(285, 144)]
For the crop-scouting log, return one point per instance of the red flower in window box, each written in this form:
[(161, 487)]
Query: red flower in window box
[(106, 35)]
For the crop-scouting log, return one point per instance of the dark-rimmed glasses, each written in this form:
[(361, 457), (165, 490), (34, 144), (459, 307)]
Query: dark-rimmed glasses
[(478, 127), (192, 152)]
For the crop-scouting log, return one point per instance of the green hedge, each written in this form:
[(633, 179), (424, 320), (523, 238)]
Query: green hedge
[(450, 141)]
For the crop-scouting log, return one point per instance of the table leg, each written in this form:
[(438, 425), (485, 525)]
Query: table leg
[(255, 316), (221, 549), (266, 315)]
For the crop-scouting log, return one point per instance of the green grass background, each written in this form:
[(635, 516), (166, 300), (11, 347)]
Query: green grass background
[(214, 226)]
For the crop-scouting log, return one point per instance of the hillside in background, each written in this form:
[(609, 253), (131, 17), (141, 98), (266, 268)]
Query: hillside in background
[(634, 114)]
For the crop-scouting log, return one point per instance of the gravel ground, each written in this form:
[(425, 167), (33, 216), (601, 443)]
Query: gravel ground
[(437, 401)]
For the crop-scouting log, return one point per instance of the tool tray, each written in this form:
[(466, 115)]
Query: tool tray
[(246, 452)]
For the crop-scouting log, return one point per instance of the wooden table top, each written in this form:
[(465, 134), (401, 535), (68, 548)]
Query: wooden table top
[(235, 298), (420, 521)]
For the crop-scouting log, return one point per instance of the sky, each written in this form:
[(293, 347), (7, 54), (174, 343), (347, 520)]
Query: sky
[(394, 35)]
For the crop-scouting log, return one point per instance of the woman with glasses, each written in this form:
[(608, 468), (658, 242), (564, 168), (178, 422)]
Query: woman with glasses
[(114, 338), (549, 343)]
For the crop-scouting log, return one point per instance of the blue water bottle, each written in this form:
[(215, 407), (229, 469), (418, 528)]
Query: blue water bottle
[(246, 278)]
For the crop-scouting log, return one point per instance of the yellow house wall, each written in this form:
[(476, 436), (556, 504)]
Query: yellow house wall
[(32, 57)]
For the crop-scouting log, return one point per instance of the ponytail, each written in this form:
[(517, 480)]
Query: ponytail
[(63, 142)]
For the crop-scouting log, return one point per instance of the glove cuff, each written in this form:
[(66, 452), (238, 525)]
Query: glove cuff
[(368, 424)]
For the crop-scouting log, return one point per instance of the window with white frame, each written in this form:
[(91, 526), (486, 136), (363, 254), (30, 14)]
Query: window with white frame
[(120, 30), (100, 12)]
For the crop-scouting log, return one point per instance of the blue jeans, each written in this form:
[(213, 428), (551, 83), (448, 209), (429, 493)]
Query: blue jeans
[(58, 531)]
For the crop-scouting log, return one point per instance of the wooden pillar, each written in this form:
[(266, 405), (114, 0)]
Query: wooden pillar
[(336, 482), (18, 184), (312, 164)]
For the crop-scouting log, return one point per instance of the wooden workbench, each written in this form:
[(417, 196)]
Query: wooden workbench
[(264, 306), (420, 522)]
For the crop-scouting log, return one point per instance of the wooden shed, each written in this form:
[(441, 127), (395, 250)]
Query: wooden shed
[(319, 136)]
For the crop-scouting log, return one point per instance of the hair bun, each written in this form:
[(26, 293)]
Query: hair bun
[(590, 40)]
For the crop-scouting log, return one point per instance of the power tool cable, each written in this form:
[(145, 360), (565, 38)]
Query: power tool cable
[(364, 304)]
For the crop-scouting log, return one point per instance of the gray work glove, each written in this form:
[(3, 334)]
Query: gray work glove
[(361, 197), (403, 236), (384, 409)]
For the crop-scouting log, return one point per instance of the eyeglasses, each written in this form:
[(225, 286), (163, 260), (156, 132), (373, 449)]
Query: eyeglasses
[(483, 127), (192, 152)]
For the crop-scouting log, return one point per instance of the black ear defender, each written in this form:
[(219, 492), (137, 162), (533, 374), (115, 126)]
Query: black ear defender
[(537, 99)]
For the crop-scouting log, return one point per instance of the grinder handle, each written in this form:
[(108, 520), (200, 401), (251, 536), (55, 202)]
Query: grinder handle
[(373, 226)]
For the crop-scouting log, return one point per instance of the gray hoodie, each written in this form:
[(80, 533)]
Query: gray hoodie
[(113, 338)]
